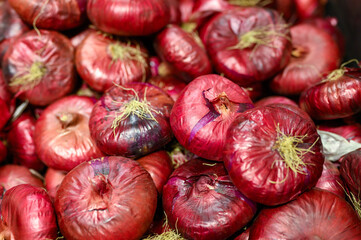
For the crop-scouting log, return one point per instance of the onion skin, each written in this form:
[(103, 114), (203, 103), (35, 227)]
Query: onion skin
[(202, 203), (53, 179), (146, 16), (52, 50), (350, 132), (244, 235), (5, 94), (275, 100), (330, 179), (13, 175), (108, 198), (169, 84), (309, 8), (95, 65), (57, 15), (3, 152), (251, 64), (350, 170), (253, 155), (62, 136), (133, 136), (78, 38), (11, 24), (5, 113), (316, 214), (203, 112)]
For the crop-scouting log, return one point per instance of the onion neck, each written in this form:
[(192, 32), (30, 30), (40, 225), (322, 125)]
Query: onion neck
[(223, 105), (299, 52), (67, 119), (205, 184), (101, 192), (33, 76)]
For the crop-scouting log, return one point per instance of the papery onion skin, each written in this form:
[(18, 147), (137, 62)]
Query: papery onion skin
[(62, 136), (350, 170), (13, 175), (275, 100), (133, 136), (109, 198), (203, 112), (53, 179), (56, 15), (316, 214), (351, 132), (52, 51), (330, 179), (255, 63), (169, 84), (29, 213), (129, 17), (201, 202), (96, 65), (253, 154)]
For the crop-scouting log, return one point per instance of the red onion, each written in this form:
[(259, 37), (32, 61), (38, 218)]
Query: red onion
[(103, 61), (201, 202), (40, 67), (28, 213), (273, 154), (285, 7), (330, 179), (204, 110), (106, 198), (129, 17), (5, 113), (316, 214), (275, 100), (314, 55), (309, 8), (53, 179), (247, 44), (78, 38), (243, 236), (179, 155), (169, 84), (62, 136), (175, 14), (57, 15), (185, 8), (255, 91), (5, 94), (131, 121), (3, 152), (349, 132)]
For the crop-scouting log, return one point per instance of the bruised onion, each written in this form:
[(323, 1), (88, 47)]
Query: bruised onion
[(204, 110), (131, 121), (103, 61), (40, 68), (129, 17), (273, 154), (330, 179), (106, 198), (275, 100), (53, 179), (62, 136), (169, 84), (316, 214)]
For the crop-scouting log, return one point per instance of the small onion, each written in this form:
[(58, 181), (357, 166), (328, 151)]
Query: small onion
[(330, 179), (53, 179), (169, 84)]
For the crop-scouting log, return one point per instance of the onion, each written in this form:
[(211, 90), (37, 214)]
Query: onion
[(78, 38), (330, 179), (275, 100), (314, 54), (316, 214), (57, 15), (243, 236), (131, 121), (255, 91), (5, 94), (181, 50), (285, 7), (169, 84), (201, 202), (129, 17), (309, 8), (273, 154), (349, 131), (106, 198), (3, 152), (247, 45), (53, 179), (159, 166), (62, 136), (28, 213), (204, 110), (175, 14), (103, 61), (5, 113), (179, 155), (40, 67)]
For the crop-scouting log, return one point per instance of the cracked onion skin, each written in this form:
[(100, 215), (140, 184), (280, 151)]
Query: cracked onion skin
[(201, 202), (110, 198), (129, 17)]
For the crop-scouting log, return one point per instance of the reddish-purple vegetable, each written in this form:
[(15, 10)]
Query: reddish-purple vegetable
[(5, 113), (169, 84), (275, 100), (5, 94), (78, 38), (349, 131), (350, 170), (309, 8), (53, 179), (330, 179)]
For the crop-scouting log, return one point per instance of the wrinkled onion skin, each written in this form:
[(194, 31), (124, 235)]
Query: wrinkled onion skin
[(180, 49), (97, 68), (332, 99), (321, 56), (201, 202), (52, 49), (129, 17), (275, 100), (53, 179), (256, 168), (169, 84), (11, 24), (133, 137), (64, 147), (316, 214), (330, 179), (21, 142), (29, 213), (350, 170), (122, 208), (350, 132), (252, 64), (56, 15), (13, 175)]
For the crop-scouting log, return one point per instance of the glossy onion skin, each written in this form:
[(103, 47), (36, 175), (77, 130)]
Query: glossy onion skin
[(108, 198), (350, 170), (202, 203), (53, 179), (169, 84), (57, 15), (96, 67), (13, 175), (316, 214), (330, 179), (275, 100), (22, 144), (333, 99), (129, 17), (63, 146), (321, 56), (350, 131), (253, 160), (185, 55), (55, 52), (197, 119), (252, 64), (29, 213), (134, 136), (11, 24)]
